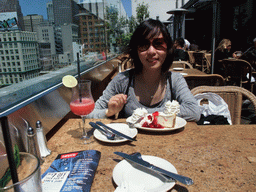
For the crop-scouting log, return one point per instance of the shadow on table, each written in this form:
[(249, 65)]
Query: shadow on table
[(171, 132), (178, 188)]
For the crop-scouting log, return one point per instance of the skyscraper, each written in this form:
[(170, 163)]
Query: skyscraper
[(64, 12), (31, 22)]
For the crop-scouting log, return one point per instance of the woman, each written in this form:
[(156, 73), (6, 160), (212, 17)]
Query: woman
[(148, 84), (223, 51)]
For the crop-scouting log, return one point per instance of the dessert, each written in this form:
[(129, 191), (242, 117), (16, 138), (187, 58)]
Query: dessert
[(167, 118), (137, 116)]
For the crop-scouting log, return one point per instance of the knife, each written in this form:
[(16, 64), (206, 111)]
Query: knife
[(115, 131), (108, 134), (135, 159)]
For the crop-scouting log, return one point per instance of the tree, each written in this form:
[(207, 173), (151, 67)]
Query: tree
[(116, 26), (142, 12)]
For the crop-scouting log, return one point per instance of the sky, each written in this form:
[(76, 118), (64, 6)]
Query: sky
[(34, 7), (39, 7)]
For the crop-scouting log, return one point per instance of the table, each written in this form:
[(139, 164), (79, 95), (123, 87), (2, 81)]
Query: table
[(190, 72), (217, 158)]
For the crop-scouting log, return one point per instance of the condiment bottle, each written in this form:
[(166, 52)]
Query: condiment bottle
[(42, 143), (33, 144)]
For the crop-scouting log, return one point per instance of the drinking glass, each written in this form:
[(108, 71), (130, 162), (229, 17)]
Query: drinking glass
[(29, 174), (82, 104)]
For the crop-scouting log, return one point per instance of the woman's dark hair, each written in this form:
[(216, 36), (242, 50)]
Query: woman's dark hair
[(146, 30)]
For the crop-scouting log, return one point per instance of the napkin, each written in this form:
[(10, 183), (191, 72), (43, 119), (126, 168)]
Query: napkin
[(130, 187)]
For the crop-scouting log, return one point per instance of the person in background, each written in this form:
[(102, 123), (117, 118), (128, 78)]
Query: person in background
[(194, 46), (187, 45), (149, 84), (179, 53), (250, 55), (223, 51)]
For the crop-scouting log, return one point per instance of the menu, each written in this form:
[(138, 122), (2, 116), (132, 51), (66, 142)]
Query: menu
[(72, 171)]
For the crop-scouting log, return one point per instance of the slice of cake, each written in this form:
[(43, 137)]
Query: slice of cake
[(137, 116), (167, 118)]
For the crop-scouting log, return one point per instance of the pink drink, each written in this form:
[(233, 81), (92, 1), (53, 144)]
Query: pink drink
[(82, 108)]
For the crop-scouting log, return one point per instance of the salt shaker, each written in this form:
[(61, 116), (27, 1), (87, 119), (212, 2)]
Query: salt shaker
[(33, 144), (42, 143)]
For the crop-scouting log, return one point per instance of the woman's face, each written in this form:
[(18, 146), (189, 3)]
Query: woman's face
[(152, 53)]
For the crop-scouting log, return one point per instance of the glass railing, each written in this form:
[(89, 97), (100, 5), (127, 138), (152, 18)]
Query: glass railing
[(18, 95)]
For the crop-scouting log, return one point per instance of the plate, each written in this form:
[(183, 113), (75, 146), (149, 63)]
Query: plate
[(178, 69), (183, 74), (135, 174), (180, 122), (121, 127)]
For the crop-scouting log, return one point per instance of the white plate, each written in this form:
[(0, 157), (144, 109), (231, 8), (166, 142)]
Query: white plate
[(135, 174), (178, 69), (121, 127), (180, 122)]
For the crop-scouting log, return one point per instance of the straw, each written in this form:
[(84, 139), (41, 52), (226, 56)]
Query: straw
[(9, 151), (79, 78)]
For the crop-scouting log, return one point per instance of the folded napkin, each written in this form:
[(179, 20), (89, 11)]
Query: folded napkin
[(130, 187)]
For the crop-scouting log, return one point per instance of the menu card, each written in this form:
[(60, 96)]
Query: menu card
[(72, 171)]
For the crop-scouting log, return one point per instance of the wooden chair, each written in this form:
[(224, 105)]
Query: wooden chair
[(208, 79), (232, 95), (181, 64), (236, 71), (191, 57), (200, 61)]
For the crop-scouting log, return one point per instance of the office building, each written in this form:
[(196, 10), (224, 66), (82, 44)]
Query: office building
[(64, 12), (11, 9), (31, 22), (50, 15), (92, 34), (19, 58)]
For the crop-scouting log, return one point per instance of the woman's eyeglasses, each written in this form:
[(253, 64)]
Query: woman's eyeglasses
[(157, 43)]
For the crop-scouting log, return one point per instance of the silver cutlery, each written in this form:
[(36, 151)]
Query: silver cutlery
[(115, 131), (140, 161), (110, 136), (166, 177)]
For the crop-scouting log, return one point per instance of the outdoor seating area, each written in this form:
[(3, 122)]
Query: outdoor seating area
[(128, 96)]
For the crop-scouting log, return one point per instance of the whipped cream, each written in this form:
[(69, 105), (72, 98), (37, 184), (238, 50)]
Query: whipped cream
[(137, 115), (171, 107)]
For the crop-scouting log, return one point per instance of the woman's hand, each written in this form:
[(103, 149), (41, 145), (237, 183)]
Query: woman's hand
[(116, 104)]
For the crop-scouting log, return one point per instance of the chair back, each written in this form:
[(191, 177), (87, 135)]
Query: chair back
[(236, 70), (232, 95), (208, 79), (191, 57), (181, 64), (200, 61)]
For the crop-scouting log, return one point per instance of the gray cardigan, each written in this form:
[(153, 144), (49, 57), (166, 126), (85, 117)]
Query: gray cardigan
[(189, 109)]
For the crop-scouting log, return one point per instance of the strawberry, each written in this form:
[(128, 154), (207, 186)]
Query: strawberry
[(145, 124), (150, 117)]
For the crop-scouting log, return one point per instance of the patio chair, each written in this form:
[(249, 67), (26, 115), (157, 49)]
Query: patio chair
[(200, 62), (208, 79), (238, 72), (233, 96), (191, 57), (181, 64)]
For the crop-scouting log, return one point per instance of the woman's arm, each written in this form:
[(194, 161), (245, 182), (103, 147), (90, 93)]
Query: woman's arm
[(189, 109), (113, 91)]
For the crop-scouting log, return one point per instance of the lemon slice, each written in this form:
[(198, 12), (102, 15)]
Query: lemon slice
[(69, 81)]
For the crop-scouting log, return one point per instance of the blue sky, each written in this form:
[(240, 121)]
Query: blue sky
[(39, 7), (34, 7)]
